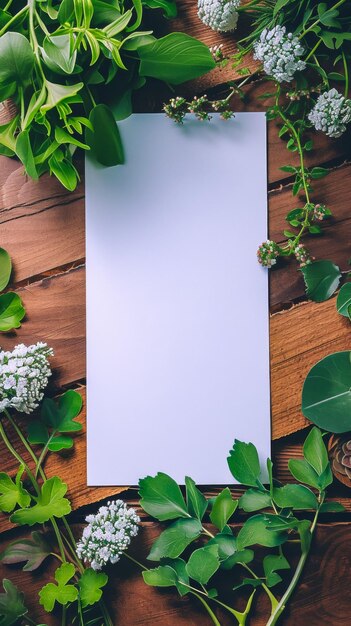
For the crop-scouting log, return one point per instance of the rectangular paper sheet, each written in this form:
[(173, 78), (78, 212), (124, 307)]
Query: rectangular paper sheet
[(177, 305)]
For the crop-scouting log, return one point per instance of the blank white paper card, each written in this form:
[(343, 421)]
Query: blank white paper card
[(177, 305)]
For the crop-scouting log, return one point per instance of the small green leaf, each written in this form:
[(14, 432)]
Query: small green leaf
[(5, 268), (58, 53), (57, 93), (203, 563), (255, 531), (90, 587), (175, 58), (162, 576), (315, 451), (295, 497), (25, 154), (254, 500), (318, 172), (12, 606), (332, 507), (303, 472), (161, 497), (244, 463), (196, 501), (50, 503), (105, 141), (64, 170), (60, 592), (12, 492), (226, 544), (343, 301), (326, 394), (223, 508), (173, 541), (271, 564), (12, 311), (31, 551), (321, 279)]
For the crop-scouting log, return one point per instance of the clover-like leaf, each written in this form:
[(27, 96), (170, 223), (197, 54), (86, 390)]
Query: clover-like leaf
[(12, 606), (60, 591), (90, 587), (56, 417), (12, 492), (33, 551), (50, 503), (161, 497)]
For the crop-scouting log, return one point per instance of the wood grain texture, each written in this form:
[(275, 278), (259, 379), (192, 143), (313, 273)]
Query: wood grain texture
[(321, 599)]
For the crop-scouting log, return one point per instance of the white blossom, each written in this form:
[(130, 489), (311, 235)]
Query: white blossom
[(220, 15), (280, 53), (331, 113), (24, 374), (108, 534)]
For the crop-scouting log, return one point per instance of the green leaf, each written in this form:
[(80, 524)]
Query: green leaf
[(60, 592), (295, 497), (105, 141), (12, 311), (254, 500), (162, 576), (63, 137), (318, 172), (279, 5), (225, 543), (240, 556), (315, 451), (58, 53), (5, 268), (244, 463), (321, 279), (50, 503), (16, 58), (12, 606), (303, 472), (255, 531), (196, 501), (25, 154), (161, 497), (173, 541), (8, 134), (64, 171), (271, 564), (57, 93), (343, 301), (90, 587), (332, 507), (69, 405), (223, 508), (175, 58), (12, 493), (326, 394), (31, 551), (169, 6), (203, 563)]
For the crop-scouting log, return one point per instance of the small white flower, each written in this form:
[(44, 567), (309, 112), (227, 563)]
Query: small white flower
[(280, 54), (331, 113), (108, 534), (220, 15), (24, 374)]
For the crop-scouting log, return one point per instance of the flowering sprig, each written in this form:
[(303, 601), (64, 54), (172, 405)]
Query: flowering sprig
[(280, 54), (220, 15), (108, 534), (200, 106), (331, 114)]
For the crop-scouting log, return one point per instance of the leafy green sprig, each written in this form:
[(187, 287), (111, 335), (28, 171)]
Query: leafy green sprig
[(274, 523), (62, 63), (32, 499)]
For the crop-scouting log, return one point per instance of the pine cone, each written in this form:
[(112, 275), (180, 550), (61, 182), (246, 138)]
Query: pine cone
[(340, 452)]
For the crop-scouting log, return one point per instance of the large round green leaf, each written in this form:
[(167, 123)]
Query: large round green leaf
[(16, 58), (326, 394), (321, 279)]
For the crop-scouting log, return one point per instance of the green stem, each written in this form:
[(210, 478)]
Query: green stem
[(346, 71), (105, 614), (43, 453), (18, 457), (295, 579), (273, 599), (134, 561), (311, 53), (13, 19), (208, 609)]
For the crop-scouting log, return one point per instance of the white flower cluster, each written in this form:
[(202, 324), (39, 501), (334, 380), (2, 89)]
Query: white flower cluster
[(280, 53), (220, 15), (108, 534), (331, 113), (24, 374)]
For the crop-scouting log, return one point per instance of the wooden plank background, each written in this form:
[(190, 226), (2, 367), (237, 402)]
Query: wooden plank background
[(42, 227)]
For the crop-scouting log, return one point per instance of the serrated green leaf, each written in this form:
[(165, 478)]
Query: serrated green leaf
[(12, 606), (31, 551), (90, 587), (12, 493), (244, 463), (50, 503), (173, 541), (161, 497)]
